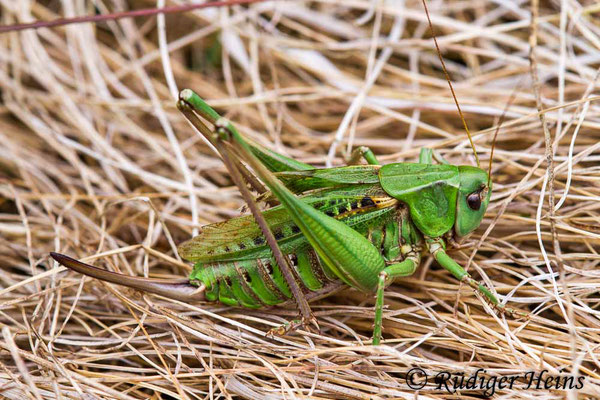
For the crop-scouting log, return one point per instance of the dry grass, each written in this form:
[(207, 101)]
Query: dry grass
[(96, 162)]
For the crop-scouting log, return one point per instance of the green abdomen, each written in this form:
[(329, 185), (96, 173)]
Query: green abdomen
[(258, 282)]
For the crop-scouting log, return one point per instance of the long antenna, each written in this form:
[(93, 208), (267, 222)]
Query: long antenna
[(449, 83), (120, 15), (500, 122)]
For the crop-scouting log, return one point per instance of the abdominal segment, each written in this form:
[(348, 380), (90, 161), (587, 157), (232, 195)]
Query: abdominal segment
[(256, 283)]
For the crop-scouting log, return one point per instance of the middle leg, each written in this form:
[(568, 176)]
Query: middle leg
[(427, 155), (362, 152), (403, 268)]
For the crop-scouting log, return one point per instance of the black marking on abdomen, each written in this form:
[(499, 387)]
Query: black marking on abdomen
[(244, 278), (266, 274), (317, 268), (278, 233)]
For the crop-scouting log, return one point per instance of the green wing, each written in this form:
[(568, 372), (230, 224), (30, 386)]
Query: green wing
[(241, 238), (237, 238), (319, 178)]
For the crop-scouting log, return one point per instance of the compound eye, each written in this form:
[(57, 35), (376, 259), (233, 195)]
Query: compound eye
[(474, 201)]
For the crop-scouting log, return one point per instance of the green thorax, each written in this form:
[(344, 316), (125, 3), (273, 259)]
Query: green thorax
[(429, 190)]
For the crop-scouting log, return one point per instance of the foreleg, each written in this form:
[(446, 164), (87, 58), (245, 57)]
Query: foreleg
[(437, 249)]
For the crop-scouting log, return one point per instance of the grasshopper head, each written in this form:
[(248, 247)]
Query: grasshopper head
[(473, 198)]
